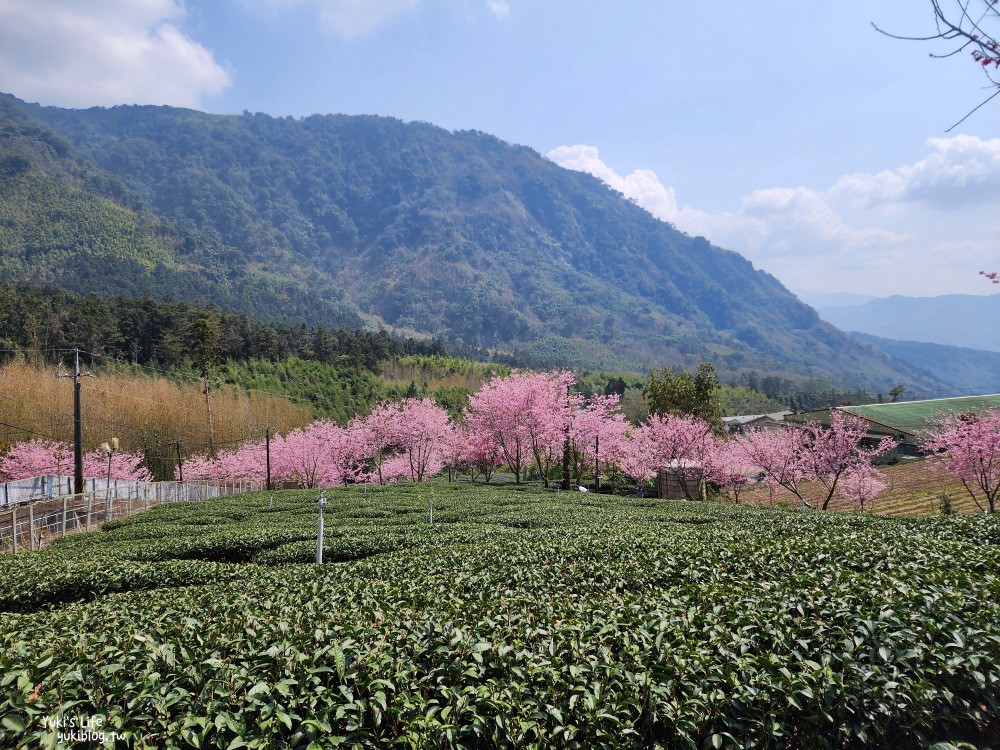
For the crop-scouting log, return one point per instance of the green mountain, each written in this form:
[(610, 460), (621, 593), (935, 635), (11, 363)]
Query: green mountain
[(410, 226), (65, 221)]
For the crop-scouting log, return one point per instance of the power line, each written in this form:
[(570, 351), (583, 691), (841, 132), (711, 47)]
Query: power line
[(31, 432), (19, 350)]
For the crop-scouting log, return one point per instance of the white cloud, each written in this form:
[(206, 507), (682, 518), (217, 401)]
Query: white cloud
[(350, 19), (644, 187), (801, 220), (869, 233), (77, 54), (500, 8), (959, 170)]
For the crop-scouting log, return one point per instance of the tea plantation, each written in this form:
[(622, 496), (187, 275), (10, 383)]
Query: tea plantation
[(519, 619)]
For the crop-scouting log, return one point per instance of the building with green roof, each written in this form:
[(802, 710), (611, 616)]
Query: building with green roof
[(906, 421)]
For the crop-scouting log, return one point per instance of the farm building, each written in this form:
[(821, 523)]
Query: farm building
[(906, 421), (747, 422)]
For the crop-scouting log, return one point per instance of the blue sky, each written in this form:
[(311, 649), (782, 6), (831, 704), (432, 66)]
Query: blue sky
[(791, 132)]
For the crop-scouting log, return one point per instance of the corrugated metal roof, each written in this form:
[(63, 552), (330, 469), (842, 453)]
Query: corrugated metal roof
[(742, 419), (914, 416), (907, 417), (777, 416)]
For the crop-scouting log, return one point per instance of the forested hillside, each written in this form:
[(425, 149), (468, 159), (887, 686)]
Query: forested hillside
[(460, 235), (65, 221), (974, 371)]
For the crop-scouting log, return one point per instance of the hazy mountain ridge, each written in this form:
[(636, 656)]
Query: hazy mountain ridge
[(454, 234), (958, 320), (972, 371)]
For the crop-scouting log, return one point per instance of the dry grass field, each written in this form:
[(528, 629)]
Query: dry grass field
[(145, 413), (915, 487)]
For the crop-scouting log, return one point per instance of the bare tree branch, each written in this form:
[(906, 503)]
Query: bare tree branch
[(971, 25), (991, 96)]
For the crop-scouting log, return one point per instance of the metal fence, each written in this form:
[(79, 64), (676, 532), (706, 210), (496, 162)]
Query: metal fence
[(23, 491), (32, 524)]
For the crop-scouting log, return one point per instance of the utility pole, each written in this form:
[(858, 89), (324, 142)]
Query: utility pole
[(180, 462), (208, 411), (267, 452), (597, 463), (77, 425), (565, 456)]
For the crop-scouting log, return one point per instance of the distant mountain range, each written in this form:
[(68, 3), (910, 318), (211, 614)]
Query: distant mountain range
[(819, 300), (957, 320), (358, 220), (970, 371)]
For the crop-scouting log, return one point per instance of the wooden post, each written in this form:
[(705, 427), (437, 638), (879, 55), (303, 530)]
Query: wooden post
[(13, 526), (65, 511), (90, 508), (31, 527)]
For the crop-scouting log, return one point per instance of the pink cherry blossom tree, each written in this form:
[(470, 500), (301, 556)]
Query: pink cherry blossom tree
[(825, 455), (833, 452), (395, 468), (777, 454), (636, 455), (249, 461), (455, 460), (528, 415), (481, 454), (551, 407), (596, 428), (728, 467), (37, 457), (423, 431), (376, 434), (863, 485), (200, 467), (321, 454), (969, 447), (681, 447)]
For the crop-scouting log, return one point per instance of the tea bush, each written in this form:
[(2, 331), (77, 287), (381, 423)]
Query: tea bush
[(516, 620)]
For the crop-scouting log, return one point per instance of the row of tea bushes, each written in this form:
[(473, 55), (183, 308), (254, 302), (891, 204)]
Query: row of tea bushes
[(516, 620)]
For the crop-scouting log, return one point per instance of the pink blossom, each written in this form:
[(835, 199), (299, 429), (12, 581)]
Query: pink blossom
[(481, 453), (321, 454), (862, 486), (598, 428), (969, 447), (681, 445), (728, 466), (37, 457), (636, 455), (528, 415), (422, 430), (793, 455), (777, 454)]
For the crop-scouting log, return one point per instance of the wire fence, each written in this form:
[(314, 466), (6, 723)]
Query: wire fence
[(33, 525)]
